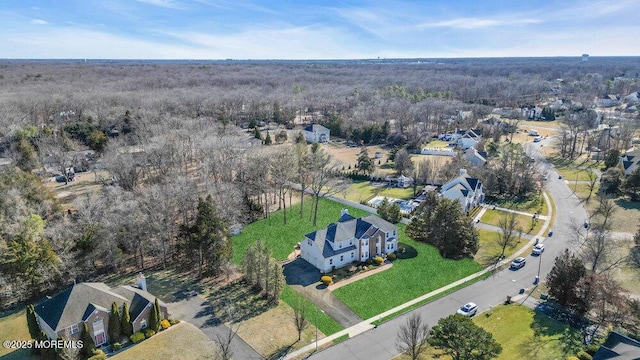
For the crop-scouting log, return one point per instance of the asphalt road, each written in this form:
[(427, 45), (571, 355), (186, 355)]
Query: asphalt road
[(379, 343)]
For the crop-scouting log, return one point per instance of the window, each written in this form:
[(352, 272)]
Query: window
[(341, 257), (340, 245), (74, 329), (353, 254), (143, 324), (330, 261), (309, 242)]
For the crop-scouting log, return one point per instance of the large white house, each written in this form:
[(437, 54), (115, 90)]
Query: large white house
[(467, 190), (316, 133), (349, 240)]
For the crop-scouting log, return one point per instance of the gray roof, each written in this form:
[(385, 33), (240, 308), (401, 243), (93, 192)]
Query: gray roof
[(138, 299), (347, 228), (315, 127), (619, 347), (71, 305)]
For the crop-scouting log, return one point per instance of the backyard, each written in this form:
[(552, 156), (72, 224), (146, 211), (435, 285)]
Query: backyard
[(493, 217), (400, 283), (14, 327), (363, 191)]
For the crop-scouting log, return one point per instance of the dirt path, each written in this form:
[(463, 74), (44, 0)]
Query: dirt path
[(330, 304)]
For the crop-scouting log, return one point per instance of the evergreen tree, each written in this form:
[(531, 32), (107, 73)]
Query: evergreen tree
[(365, 163), (300, 138), (125, 321), (154, 321), (612, 158), (278, 280), (32, 322), (87, 340), (158, 310), (256, 133), (114, 323), (563, 279), (394, 215), (459, 337), (267, 139)]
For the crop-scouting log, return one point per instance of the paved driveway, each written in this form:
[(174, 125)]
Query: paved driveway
[(305, 279), (199, 312)]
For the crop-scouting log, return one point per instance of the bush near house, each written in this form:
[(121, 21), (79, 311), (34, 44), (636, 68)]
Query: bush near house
[(174, 321), (378, 260), (583, 355), (391, 256), (97, 354), (165, 324), (326, 280), (116, 346), (137, 337), (149, 333)]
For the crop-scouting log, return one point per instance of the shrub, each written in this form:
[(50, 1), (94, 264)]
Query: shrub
[(149, 332), (137, 337), (326, 280), (573, 358), (174, 321), (391, 256), (378, 260), (592, 349), (583, 355), (116, 346), (165, 324), (97, 354)]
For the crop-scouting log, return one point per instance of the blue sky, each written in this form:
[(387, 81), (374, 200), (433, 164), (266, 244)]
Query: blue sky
[(315, 29)]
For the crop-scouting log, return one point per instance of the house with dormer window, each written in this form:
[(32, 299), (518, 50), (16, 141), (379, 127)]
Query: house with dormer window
[(349, 240), (464, 188)]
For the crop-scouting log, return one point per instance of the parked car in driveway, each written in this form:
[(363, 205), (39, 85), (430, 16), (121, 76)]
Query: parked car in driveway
[(468, 309), (518, 263), (538, 249)]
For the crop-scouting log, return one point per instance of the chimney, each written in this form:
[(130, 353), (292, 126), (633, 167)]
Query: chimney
[(142, 281), (463, 172), (344, 211)]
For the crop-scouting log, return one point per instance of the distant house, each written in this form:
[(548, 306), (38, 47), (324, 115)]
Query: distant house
[(618, 347), (400, 181), (469, 139), (90, 303), (349, 240), (630, 161), (316, 133), (477, 158), (467, 190)]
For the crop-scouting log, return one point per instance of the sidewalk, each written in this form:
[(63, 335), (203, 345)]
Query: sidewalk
[(368, 324)]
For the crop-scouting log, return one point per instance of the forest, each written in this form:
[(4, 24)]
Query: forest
[(171, 139)]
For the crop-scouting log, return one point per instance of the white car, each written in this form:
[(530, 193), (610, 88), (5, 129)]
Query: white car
[(538, 249), (469, 309)]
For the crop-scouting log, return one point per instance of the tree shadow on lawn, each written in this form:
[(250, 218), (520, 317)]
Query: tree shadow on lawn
[(406, 251), (551, 320), (238, 301), (627, 205), (281, 352)]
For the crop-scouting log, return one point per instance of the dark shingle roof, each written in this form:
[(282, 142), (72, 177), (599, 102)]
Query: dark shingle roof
[(138, 299), (473, 182), (71, 305), (315, 127)]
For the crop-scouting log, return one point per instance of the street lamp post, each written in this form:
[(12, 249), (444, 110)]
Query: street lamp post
[(539, 266)]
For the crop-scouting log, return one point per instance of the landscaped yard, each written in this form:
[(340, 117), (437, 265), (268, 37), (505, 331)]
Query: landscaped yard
[(181, 341), (407, 279), (14, 327), (530, 206), (282, 238), (363, 191), (436, 144), (490, 250), (492, 217), (525, 334), (573, 174)]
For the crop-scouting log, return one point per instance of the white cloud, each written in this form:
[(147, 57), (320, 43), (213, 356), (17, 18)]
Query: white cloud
[(475, 23), (170, 4), (38, 22)]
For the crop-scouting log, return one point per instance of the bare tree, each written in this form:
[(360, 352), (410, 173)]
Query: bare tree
[(300, 319), (282, 165), (323, 179), (225, 339), (412, 338), (593, 181), (509, 232)]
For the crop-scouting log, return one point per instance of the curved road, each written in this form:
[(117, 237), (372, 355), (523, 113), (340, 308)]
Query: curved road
[(379, 343)]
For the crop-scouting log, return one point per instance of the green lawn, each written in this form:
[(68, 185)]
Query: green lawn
[(407, 279), (14, 327), (437, 144), (181, 341), (572, 174), (362, 191), (282, 238), (525, 334), (492, 217), (490, 250), (326, 324), (530, 206)]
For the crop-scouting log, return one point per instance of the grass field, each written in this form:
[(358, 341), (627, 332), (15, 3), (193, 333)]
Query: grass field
[(362, 191), (525, 334), (325, 323), (282, 238), (14, 327), (423, 270), (492, 217), (489, 250), (572, 174), (181, 341), (530, 206), (436, 144)]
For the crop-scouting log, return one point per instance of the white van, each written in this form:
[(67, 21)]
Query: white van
[(533, 133)]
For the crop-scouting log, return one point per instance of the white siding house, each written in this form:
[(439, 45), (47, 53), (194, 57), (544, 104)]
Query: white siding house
[(467, 190), (316, 133), (349, 240)]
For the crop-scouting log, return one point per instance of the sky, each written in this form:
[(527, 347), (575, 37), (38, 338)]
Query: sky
[(316, 29)]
